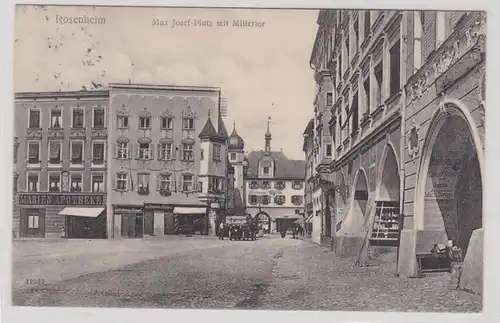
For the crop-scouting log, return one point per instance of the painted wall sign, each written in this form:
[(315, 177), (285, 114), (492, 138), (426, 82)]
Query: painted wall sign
[(128, 210), (60, 199), (158, 207)]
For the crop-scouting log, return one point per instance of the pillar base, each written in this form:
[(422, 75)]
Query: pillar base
[(471, 278)]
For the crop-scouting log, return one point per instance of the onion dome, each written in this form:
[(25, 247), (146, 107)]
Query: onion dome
[(235, 141)]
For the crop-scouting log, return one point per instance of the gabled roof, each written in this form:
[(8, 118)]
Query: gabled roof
[(208, 131), (285, 167), (222, 128)]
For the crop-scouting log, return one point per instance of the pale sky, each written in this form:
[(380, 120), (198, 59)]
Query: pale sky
[(263, 71)]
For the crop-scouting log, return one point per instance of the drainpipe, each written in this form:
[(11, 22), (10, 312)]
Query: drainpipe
[(402, 113)]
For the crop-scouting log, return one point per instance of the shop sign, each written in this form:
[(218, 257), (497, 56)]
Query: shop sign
[(158, 206), (60, 199), (132, 210)]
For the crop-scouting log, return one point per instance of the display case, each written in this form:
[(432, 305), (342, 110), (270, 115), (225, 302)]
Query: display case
[(386, 225)]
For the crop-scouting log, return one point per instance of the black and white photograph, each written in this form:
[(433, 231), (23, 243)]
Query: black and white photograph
[(271, 159)]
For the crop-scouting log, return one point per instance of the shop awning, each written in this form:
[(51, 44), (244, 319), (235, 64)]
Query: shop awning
[(89, 212), (182, 210)]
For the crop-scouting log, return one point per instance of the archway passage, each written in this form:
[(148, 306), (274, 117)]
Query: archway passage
[(386, 223), (453, 185), (266, 221), (341, 199)]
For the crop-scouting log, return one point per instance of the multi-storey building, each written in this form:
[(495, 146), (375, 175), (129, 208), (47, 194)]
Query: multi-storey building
[(307, 148), (168, 160), (407, 126), (60, 164), (444, 139), (274, 187)]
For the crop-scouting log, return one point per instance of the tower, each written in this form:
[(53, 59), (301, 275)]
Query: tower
[(266, 163), (268, 138), (236, 152)]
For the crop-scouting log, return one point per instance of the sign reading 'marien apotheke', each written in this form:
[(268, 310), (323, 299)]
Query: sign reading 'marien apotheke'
[(61, 199)]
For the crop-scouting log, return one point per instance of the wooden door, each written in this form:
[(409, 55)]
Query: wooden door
[(139, 226), (149, 222)]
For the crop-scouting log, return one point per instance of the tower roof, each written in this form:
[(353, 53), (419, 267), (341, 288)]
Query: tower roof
[(235, 141), (209, 132)]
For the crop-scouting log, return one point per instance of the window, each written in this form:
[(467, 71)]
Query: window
[(280, 185), (395, 82), (33, 152), (297, 185), (98, 153), (366, 88), (32, 182), (187, 152), (164, 183), (165, 151), (56, 118), (266, 170), (144, 122), (266, 199), (200, 187), (417, 38), (78, 118), (329, 150), (355, 113), (97, 183), (54, 152), (54, 182), (187, 183), (368, 23), (202, 154), (266, 184), (145, 152), (16, 179), (121, 181), (279, 199), (378, 86), (122, 150), (98, 118), (143, 184), (297, 200), (254, 185), (122, 122), (77, 152), (34, 122), (215, 184), (216, 152), (33, 220), (76, 182), (233, 156), (253, 199), (188, 123), (166, 123), (329, 99)]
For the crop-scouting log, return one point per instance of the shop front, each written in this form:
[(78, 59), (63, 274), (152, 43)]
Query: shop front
[(190, 220), (60, 215), (129, 221)]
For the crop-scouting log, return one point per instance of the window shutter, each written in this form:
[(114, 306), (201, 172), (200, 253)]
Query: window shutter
[(158, 182), (152, 151), (158, 151), (113, 184), (195, 182), (130, 182)]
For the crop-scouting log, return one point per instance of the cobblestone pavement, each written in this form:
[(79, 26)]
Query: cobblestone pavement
[(270, 273)]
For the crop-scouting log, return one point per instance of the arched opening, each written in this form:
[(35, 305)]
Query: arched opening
[(453, 185), (265, 220), (360, 198)]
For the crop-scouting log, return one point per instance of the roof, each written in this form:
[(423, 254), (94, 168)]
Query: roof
[(62, 94), (163, 87), (222, 128), (285, 167), (309, 127), (208, 130)]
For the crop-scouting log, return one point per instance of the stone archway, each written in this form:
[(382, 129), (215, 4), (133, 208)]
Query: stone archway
[(449, 194), (360, 196), (341, 199), (265, 219)]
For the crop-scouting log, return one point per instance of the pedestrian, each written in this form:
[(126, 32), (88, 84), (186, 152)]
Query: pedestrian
[(283, 231), (221, 231)]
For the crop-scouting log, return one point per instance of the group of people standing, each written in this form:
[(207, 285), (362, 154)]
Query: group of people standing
[(297, 230)]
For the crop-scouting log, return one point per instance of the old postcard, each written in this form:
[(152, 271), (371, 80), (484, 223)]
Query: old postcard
[(268, 159)]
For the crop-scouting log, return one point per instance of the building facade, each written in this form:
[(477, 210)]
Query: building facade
[(274, 187), (168, 160), (444, 139), (407, 127), (307, 148), (60, 164)]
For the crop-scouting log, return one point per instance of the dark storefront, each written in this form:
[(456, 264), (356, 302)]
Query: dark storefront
[(62, 215)]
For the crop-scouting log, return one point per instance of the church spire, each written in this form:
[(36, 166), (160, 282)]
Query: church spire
[(268, 137)]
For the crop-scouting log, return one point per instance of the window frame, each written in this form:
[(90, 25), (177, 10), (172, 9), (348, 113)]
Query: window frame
[(147, 121), (94, 110), (39, 161), (103, 143), (39, 112), (73, 110), (32, 174), (92, 182), (71, 160), (71, 177), (60, 110)]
